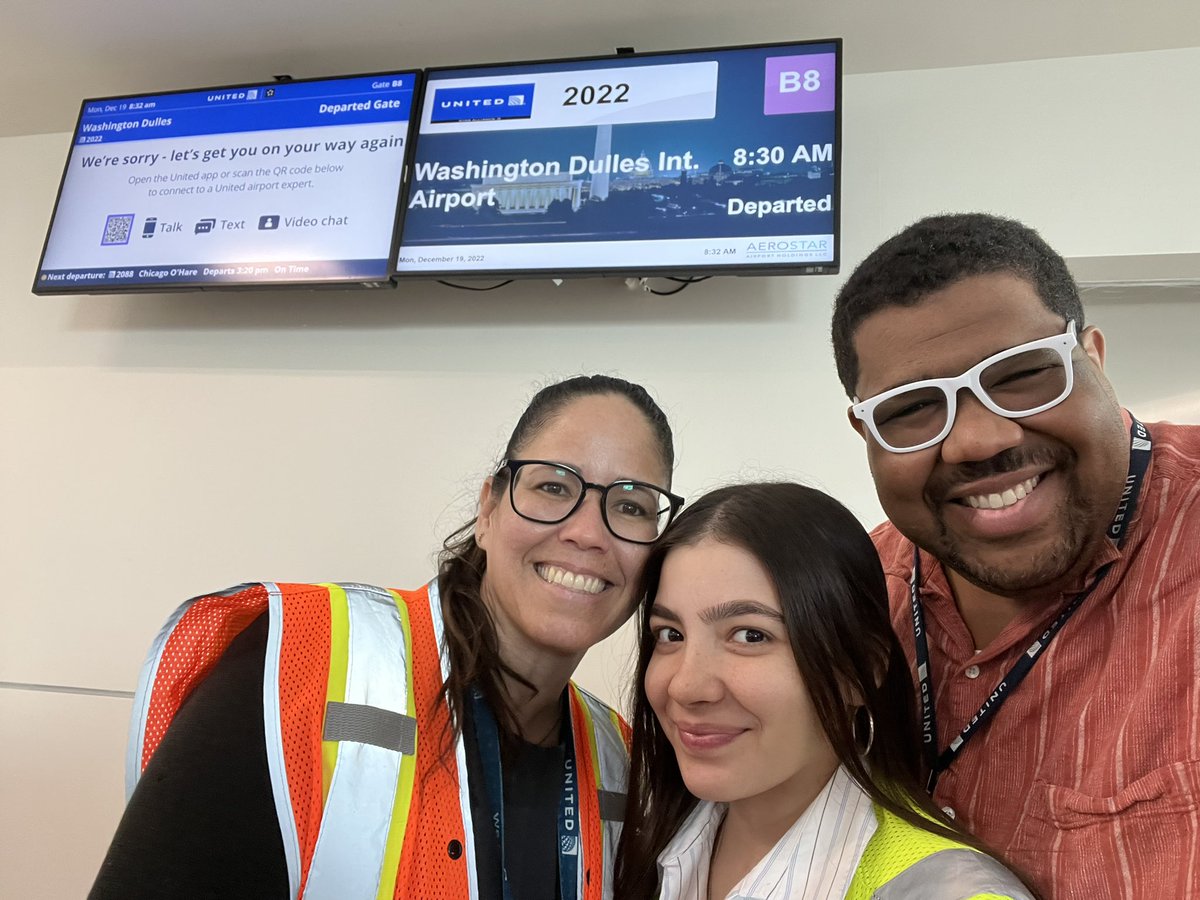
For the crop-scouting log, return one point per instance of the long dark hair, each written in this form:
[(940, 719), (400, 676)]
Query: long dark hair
[(470, 632), (835, 609)]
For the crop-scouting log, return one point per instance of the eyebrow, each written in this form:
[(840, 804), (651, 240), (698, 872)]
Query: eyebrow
[(578, 470), (730, 609)]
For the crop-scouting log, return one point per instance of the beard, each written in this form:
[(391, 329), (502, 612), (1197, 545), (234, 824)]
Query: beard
[(1044, 573), (1053, 563)]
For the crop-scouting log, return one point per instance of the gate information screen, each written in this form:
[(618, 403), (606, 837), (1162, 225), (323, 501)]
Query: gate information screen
[(686, 162), (279, 183)]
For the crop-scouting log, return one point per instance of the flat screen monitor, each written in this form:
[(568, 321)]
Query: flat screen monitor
[(281, 183), (685, 163)]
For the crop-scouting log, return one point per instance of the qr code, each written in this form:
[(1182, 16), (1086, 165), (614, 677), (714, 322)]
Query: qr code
[(117, 230)]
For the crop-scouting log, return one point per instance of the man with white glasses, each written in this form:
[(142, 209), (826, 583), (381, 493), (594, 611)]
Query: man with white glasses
[(1042, 554)]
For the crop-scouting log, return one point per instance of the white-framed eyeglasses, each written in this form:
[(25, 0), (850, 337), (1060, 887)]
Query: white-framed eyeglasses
[(1014, 383)]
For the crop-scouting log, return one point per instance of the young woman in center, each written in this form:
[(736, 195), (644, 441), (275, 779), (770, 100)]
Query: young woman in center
[(775, 743)]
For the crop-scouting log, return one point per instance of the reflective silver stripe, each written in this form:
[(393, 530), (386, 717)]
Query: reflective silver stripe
[(612, 765), (953, 875), (272, 722), (141, 700), (146, 679), (460, 753), (612, 806), (348, 858), (370, 725)]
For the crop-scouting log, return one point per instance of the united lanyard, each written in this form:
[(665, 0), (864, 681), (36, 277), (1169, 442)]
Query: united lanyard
[(487, 735), (1139, 460)]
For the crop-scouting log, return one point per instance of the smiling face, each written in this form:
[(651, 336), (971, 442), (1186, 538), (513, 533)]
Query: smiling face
[(724, 684), (555, 590), (1016, 506)]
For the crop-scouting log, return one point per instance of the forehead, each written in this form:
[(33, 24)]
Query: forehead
[(604, 436), (949, 331), (711, 571)]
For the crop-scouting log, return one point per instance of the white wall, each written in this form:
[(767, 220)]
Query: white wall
[(154, 447)]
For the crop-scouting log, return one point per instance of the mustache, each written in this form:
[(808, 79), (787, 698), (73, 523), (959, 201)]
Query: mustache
[(1011, 460)]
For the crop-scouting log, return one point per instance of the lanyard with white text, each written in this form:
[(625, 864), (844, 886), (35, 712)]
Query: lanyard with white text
[(1139, 461), (487, 736)]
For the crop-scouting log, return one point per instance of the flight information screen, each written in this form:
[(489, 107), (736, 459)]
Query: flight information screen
[(276, 183), (683, 162)]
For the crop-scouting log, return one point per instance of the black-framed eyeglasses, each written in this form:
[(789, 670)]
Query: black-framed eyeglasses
[(548, 492)]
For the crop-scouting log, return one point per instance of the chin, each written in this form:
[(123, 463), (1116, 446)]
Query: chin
[(568, 641), (710, 793), (1019, 569), (1044, 572), (712, 789)]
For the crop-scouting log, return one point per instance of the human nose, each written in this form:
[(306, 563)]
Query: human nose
[(977, 433), (695, 678), (585, 526)]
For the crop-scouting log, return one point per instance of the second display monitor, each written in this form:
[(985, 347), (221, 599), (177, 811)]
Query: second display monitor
[(692, 162)]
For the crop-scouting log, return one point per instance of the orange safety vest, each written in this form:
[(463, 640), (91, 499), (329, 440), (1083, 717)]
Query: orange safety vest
[(369, 805)]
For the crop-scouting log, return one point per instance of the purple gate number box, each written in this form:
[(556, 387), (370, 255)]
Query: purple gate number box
[(800, 84)]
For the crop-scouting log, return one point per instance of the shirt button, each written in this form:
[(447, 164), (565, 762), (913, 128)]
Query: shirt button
[(972, 671), (949, 811)]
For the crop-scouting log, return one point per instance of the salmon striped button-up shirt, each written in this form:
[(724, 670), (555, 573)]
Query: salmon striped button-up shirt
[(1088, 777)]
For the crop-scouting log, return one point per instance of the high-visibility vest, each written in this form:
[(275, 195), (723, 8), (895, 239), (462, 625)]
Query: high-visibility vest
[(371, 796), (904, 862)]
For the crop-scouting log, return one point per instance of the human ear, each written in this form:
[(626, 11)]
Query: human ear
[(487, 507), (1092, 341), (856, 423)]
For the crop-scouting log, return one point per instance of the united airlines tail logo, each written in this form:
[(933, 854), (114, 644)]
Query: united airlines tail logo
[(482, 102)]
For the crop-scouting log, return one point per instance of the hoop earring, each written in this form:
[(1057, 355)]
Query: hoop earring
[(870, 729)]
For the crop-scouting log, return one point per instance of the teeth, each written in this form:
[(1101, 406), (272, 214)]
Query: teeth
[(1008, 498), (587, 584)]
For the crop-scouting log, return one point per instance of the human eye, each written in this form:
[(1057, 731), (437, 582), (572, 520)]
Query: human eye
[(665, 634), (893, 413), (1027, 378), (630, 509), (1019, 385), (750, 636), (550, 481), (1025, 373), (909, 405), (632, 501)]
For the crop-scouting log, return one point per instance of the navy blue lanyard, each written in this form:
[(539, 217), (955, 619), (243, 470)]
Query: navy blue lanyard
[(1139, 461), (487, 736)]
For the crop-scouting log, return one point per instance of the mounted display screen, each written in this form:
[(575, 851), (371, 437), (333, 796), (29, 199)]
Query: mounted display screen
[(667, 163), (282, 183)]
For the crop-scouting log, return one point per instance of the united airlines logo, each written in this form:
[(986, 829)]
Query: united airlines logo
[(482, 102)]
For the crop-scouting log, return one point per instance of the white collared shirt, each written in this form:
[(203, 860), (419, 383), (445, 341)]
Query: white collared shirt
[(814, 860)]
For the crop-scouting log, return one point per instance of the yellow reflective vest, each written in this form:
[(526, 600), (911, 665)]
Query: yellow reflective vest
[(903, 862)]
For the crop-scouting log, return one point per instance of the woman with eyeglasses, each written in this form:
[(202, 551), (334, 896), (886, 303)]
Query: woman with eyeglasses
[(775, 743), (343, 741)]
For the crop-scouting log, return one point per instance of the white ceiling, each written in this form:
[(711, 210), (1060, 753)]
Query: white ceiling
[(55, 53)]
